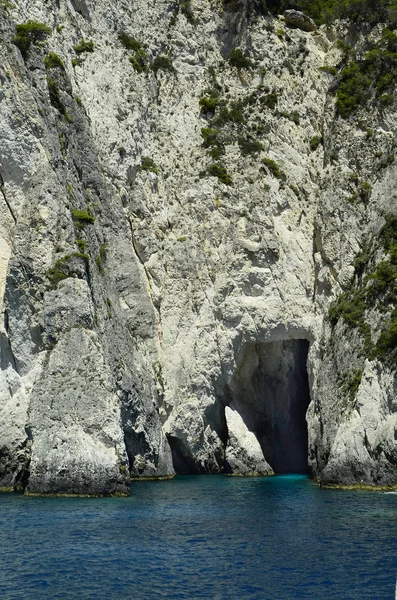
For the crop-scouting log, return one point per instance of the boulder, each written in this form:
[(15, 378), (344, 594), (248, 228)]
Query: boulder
[(298, 20)]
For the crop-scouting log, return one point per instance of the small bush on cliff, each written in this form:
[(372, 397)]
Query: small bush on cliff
[(6, 4), (220, 172), (162, 63), (55, 98), (53, 61), (353, 90), (139, 61), (239, 60), (377, 289), (187, 11), (62, 268), (84, 46), (139, 58), (315, 142), (30, 33), (129, 42), (208, 105), (148, 164), (386, 346), (269, 100), (249, 146), (101, 258), (352, 383), (81, 217), (324, 11), (273, 168), (211, 141)]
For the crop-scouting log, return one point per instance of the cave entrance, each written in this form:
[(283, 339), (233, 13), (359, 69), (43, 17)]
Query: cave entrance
[(270, 390)]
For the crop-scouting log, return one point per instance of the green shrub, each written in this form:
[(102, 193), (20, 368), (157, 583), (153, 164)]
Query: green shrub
[(53, 61), (353, 90), (220, 172), (210, 137), (29, 33), (378, 289), (386, 99), (239, 60), (129, 42), (100, 258), (22, 43), (273, 168), (315, 142), (386, 346), (139, 61), (208, 105), (292, 116), (353, 383), (381, 280), (325, 11), (139, 58), (269, 100), (249, 146), (349, 306), (162, 63), (81, 217), (84, 46), (55, 99), (186, 10), (388, 233), (6, 4), (234, 114), (62, 270), (81, 245), (329, 70), (77, 62), (33, 30), (148, 164), (364, 191)]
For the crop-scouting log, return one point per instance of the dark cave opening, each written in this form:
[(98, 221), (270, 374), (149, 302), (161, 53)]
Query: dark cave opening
[(270, 390)]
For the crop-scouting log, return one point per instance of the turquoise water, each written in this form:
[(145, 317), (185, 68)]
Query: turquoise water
[(206, 537)]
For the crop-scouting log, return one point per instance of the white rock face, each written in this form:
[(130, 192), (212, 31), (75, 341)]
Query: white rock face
[(123, 329), (243, 452)]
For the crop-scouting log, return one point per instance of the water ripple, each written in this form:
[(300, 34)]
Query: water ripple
[(215, 538)]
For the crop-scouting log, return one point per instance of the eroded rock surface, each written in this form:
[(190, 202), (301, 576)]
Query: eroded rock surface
[(166, 204)]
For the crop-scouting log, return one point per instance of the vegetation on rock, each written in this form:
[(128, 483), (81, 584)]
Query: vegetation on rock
[(29, 33), (62, 269), (373, 287), (81, 217), (84, 46), (162, 63), (55, 98), (52, 61)]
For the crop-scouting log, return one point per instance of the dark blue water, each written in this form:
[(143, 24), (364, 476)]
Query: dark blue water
[(202, 537)]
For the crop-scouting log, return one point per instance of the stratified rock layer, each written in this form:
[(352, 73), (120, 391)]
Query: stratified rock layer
[(135, 274)]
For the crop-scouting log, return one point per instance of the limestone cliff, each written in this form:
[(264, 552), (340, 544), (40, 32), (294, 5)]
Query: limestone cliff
[(187, 223)]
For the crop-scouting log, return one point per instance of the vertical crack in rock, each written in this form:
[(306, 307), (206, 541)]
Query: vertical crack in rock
[(6, 201)]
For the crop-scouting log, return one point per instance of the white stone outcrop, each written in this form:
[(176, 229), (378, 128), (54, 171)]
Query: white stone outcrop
[(136, 278), (243, 455)]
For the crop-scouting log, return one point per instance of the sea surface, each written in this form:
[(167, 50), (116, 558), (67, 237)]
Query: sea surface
[(211, 537)]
